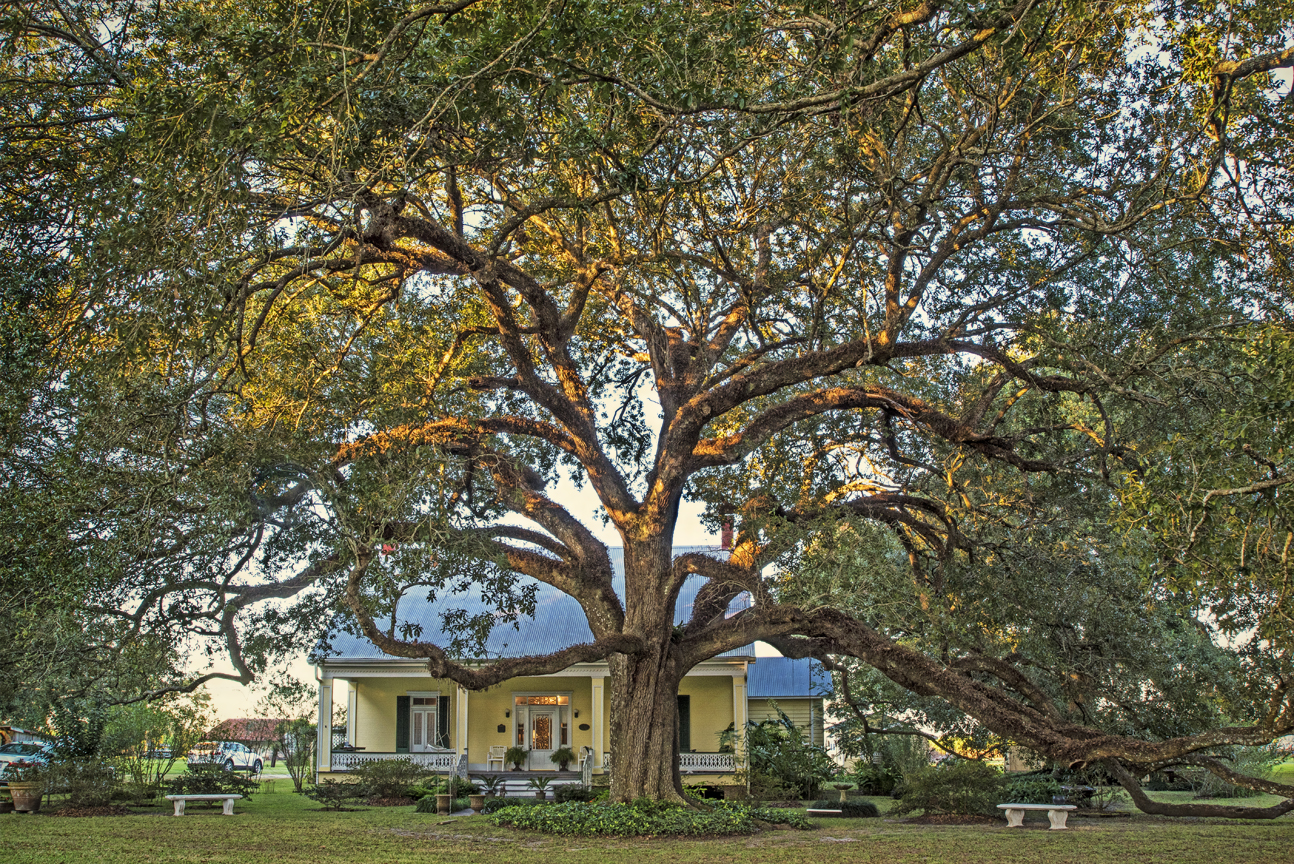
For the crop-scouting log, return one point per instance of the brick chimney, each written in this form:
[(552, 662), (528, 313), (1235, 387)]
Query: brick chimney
[(725, 535)]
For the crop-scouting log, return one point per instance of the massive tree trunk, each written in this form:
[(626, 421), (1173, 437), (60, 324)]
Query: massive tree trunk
[(644, 685), (644, 726)]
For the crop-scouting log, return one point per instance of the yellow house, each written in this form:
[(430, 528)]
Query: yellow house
[(395, 711)]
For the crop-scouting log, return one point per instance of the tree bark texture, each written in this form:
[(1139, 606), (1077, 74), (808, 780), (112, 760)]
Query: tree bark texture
[(644, 727), (644, 685)]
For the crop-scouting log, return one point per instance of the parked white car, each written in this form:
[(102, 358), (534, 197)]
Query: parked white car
[(230, 754)]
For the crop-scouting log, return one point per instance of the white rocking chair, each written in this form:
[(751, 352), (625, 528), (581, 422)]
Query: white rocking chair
[(496, 754)]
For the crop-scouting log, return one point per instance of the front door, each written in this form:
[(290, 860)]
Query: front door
[(543, 737)]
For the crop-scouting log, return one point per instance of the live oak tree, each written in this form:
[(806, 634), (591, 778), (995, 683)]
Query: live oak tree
[(353, 286)]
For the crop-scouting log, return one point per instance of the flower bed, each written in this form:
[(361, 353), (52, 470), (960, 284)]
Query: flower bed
[(642, 818)]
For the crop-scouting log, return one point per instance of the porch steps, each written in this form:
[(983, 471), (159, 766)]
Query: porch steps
[(516, 784)]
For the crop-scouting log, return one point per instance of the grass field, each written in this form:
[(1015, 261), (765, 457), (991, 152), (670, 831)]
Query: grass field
[(284, 828)]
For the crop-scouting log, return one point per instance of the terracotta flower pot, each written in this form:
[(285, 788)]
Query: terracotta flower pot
[(26, 795), (477, 802)]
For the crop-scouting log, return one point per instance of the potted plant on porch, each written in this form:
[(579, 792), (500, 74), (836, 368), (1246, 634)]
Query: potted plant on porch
[(515, 756), (26, 784), (562, 757)]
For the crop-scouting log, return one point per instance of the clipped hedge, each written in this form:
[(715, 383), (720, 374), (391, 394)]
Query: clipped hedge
[(854, 808), (645, 818)]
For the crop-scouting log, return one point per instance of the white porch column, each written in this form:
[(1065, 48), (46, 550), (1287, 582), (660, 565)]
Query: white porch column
[(739, 713), (461, 722), (323, 743), (350, 713), (598, 743)]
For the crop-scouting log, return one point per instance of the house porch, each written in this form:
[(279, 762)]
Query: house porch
[(395, 712)]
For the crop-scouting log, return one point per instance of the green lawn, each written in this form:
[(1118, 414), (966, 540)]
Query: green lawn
[(284, 828)]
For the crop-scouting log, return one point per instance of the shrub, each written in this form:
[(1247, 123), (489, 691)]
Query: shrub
[(333, 794), (207, 779), (963, 786), (773, 815), (296, 741), (902, 754), (782, 763), (854, 808), (874, 779), (494, 805), (455, 786), (1253, 761), (571, 792), (640, 818), (391, 778), (1032, 789), (87, 782)]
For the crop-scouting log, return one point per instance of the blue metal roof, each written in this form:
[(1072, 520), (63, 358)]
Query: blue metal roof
[(558, 622), (784, 678)]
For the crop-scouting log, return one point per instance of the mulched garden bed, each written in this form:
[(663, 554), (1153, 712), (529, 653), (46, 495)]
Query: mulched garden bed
[(390, 802), (110, 810)]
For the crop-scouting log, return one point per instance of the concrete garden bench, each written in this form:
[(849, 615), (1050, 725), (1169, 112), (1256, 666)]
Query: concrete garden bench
[(823, 813), (1056, 814), (181, 800)]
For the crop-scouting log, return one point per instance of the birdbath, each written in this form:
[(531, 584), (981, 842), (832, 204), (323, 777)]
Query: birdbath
[(843, 787)]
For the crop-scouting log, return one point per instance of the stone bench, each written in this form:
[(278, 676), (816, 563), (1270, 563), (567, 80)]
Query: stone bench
[(1056, 814), (181, 800), (823, 813)]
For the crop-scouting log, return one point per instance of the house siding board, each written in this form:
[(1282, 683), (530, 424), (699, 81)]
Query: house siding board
[(485, 712), (711, 704), (804, 713), (377, 713), (558, 622)]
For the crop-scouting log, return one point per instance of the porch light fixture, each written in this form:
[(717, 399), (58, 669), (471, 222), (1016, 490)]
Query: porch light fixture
[(575, 711), (507, 713)]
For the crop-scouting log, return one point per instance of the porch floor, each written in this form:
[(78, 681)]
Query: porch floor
[(526, 775)]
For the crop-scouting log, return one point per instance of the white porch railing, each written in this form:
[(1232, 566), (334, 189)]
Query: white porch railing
[(705, 763), (445, 760), (448, 760)]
